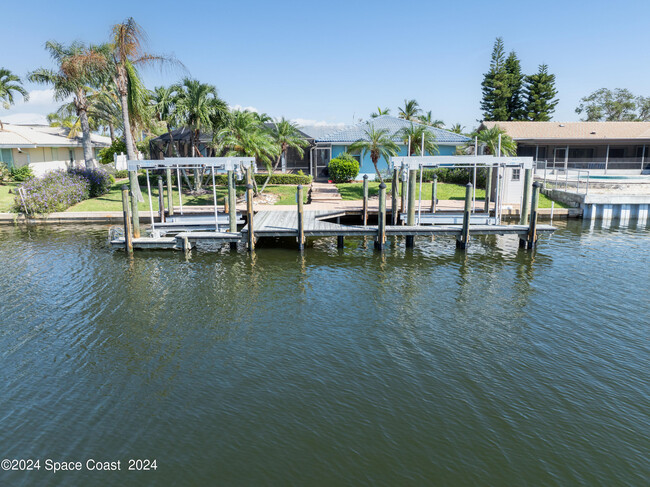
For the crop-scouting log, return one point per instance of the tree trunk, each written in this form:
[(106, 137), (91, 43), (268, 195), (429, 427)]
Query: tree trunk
[(81, 105), (381, 180), (128, 140), (111, 130)]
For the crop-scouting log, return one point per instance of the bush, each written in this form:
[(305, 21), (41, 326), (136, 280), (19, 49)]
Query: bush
[(5, 173), (106, 154), (100, 181), (121, 174), (56, 191), (451, 176), (21, 174), (343, 169)]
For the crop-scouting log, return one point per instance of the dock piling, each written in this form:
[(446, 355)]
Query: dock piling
[(301, 219), (161, 200), (403, 195), (249, 217), (394, 192), (365, 200), (410, 217), (170, 195), (128, 238), (488, 190), (434, 193), (463, 240), (135, 212), (531, 237), (525, 204), (232, 206), (381, 223), (340, 242)]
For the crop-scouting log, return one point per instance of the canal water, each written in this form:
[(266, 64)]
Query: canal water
[(336, 367)]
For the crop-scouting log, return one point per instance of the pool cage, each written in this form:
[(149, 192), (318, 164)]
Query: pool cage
[(210, 167), (501, 182)]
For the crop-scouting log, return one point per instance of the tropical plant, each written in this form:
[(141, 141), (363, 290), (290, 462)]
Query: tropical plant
[(99, 180), (428, 119), (79, 68), (106, 155), (490, 138), (380, 112), (10, 84), (286, 136), (410, 110), (457, 128), (70, 122), (164, 101), (377, 143), (55, 191), (416, 134), (22, 173), (342, 169)]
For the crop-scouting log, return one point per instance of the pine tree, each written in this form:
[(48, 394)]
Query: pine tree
[(496, 86), (540, 95), (515, 103)]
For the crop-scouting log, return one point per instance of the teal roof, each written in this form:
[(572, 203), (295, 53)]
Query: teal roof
[(392, 125)]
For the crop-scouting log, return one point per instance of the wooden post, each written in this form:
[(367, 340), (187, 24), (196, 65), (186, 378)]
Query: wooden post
[(463, 240), (232, 202), (249, 217), (525, 204), (532, 228), (403, 198), (365, 200), (161, 200), (135, 212), (170, 194), (394, 191), (301, 219), (488, 190), (381, 224), (434, 193), (340, 242), (410, 217), (128, 242)]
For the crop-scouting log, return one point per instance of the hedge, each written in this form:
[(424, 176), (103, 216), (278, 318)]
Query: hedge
[(453, 176), (342, 170), (221, 179), (100, 181), (56, 191)]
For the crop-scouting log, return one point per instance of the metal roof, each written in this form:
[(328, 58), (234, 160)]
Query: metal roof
[(19, 136), (392, 125)]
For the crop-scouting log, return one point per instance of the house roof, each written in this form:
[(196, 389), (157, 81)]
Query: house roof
[(19, 136), (392, 125), (319, 131), (573, 130)]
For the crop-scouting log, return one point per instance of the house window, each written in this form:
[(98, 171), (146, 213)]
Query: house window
[(55, 153), (616, 152), (7, 157), (516, 174)]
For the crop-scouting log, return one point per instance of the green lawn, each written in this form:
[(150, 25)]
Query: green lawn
[(112, 201), (7, 199)]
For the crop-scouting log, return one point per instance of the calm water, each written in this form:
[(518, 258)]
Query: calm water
[(499, 367)]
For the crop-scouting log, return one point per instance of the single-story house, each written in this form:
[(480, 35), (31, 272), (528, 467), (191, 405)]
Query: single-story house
[(596, 146), (43, 148), (329, 146)]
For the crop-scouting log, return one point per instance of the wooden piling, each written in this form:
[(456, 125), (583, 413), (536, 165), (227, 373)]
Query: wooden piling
[(463, 240), (301, 219), (403, 197), (340, 242), (434, 193), (128, 238), (232, 206), (381, 223), (394, 191), (365, 200), (488, 189), (410, 216), (525, 204), (249, 217), (135, 212), (161, 200), (531, 237), (170, 194)]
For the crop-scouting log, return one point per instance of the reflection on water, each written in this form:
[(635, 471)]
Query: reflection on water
[(422, 366)]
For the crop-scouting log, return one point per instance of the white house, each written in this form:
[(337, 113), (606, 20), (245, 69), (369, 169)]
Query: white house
[(43, 148)]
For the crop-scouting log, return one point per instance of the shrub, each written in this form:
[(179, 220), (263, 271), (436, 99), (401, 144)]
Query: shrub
[(5, 173), (105, 155), (55, 191), (343, 169), (121, 174), (21, 174), (100, 181)]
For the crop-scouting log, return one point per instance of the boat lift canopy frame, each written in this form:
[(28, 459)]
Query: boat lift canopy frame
[(406, 163), (216, 164)]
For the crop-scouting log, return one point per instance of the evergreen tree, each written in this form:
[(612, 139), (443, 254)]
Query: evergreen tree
[(496, 86), (540, 95), (515, 102)]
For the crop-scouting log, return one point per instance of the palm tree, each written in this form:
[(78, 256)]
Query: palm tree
[(490, 138), (10, 84), (69, 122), (378, 143), (415, 133), (380, 112), (457, 128), (164, 105), (79, 68), (104, 107), (199, 107), (427, 119), (410, 110), (286, 135)]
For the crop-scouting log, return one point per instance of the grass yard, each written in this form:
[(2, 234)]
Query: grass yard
[(7, 199)]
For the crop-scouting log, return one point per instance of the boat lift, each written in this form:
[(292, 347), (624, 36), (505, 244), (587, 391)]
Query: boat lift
[(213, 166), (405, 164)]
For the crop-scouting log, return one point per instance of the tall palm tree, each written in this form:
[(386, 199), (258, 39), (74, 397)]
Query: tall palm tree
[(69, 122), (164, 105), (79, 69), (410, 110), (378, 143), (416, 133), (198, 107), (490, 138), (380, 112), (9, 85), (457, 128), (104, 107), (428, 119), (286, 135)]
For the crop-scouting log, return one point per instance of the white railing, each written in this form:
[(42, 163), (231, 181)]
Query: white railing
[(576, 180)]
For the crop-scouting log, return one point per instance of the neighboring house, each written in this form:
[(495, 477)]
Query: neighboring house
[(596, 146), (43, 148), (329, 146)]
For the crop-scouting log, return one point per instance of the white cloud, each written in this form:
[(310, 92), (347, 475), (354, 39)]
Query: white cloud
[(241, 108), (25, 118), (317, 123)]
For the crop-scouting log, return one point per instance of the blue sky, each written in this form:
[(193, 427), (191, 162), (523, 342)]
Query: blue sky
[(336, 61)]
